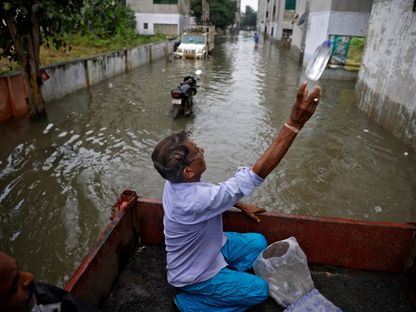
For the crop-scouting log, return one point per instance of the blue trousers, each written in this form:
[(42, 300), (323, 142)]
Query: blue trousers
[(232, 289)]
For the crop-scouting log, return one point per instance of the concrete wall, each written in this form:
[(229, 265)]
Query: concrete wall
[(321, 5), (278, 27), (327, 17), (151, 19), (13, 94), (351, 6), (68, 77), (147, 6), (296, 49), (349, 23), (386, 86), (336, 17), (317, 33)]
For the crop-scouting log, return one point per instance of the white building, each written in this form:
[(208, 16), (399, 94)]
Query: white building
[(168, 17), (274, 18), (320, 19)]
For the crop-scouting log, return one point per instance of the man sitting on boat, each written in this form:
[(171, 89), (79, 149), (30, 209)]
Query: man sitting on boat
[(20, 293), (208, 265)]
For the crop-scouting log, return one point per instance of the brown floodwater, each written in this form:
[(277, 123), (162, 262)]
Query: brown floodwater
[(59, 176)]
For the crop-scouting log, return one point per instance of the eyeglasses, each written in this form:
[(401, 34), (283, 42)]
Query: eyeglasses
[(199, 154)]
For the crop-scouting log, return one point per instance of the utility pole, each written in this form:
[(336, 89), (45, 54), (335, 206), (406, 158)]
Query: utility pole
[(305, 30), (205, 12)]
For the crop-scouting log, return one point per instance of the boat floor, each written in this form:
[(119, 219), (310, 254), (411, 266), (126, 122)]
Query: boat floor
[(142, 286)]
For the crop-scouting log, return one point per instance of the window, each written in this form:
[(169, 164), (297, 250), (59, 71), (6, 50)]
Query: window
[(165, 1), (146, 26), (193, 39), (290, 5), (267, 14)]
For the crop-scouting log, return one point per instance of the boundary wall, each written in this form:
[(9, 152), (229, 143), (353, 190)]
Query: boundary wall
[(386, 86), (65, 78)]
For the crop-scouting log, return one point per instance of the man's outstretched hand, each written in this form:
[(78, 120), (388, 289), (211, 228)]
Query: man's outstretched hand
[(305, 105)]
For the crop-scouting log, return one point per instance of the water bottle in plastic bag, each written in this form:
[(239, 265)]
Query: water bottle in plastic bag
[(319, 60), (284, 266)]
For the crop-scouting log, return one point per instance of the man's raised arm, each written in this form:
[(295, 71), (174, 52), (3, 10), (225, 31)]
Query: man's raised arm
[(303, 109)]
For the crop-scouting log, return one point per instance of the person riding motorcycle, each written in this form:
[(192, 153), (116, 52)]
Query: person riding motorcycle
[(185, 91), (188, 87)]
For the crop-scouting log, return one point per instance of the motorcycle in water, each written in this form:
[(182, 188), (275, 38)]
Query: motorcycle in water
[(182, 97)]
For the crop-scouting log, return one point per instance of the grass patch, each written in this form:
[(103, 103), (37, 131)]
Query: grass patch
[(82, 46)]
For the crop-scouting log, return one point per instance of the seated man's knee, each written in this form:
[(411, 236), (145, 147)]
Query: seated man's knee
[(261, 241)]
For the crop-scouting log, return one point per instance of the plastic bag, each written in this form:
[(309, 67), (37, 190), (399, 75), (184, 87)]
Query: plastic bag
[(284, 266), (313, 301)]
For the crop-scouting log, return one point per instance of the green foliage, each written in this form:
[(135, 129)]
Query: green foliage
[(250, 17), (84, 46), (25, 25), (222, 12), (196, 9), (119, 41), (107, 18), (104, 18), (54, 17)]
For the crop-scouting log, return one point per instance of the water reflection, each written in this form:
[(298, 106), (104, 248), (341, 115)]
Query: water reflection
[(60, 176)]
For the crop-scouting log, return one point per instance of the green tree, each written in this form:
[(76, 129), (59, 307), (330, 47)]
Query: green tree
[(249, 18), (221, 12), (107, 18), (196, 9), (27, 24)]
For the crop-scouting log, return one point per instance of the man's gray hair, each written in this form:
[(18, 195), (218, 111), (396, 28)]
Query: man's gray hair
[(170, 156)]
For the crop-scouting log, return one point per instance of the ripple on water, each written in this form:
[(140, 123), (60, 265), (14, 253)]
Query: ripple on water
[(60, 176)]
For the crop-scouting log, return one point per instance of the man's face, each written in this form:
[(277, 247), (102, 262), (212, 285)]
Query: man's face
[(14, 285), (196, 160)]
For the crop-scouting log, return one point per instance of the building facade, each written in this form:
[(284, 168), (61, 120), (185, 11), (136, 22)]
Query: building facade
[(274, 18), (320, 20), (168, 17), (386, 83)]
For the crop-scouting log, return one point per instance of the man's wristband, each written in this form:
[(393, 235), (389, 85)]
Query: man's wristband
[(294, 129)]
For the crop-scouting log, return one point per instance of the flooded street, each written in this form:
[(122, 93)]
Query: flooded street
[(60, 176)]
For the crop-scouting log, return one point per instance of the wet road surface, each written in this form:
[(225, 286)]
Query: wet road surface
[(60, 176)]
